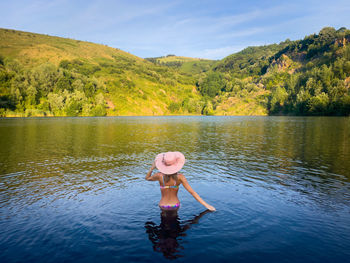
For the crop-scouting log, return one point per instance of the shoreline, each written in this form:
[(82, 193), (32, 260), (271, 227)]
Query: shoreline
[(174, 115)]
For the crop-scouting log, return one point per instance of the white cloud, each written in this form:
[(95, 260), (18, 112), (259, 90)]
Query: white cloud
[(191, 28)]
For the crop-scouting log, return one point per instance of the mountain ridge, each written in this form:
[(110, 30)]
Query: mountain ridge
[(76, 72), (44, 75)]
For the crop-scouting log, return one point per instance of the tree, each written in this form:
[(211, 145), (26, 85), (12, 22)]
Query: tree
[(78, 85), (313, 87), (277, 99), (345, 106), (98, 110), (212, 84), (56, 102), (347, 68), (13, 65), (326, 75), (301, 101), (90, 89), (31, 93), (208, 108), (174, 107), (5, 80), (63, 83), (318, 105), (327, 34), (44, 78), (338, 68), (192, 105), (74, 103)]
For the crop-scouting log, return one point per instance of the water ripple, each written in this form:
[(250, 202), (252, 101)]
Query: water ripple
[(76, 185)]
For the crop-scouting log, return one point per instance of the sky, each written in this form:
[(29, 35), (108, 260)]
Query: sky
[(192, 28)]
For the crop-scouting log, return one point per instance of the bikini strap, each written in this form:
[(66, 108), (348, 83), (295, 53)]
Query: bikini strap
[(164, 183)]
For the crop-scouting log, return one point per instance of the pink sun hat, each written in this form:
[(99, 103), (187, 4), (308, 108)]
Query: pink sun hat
[(170, 162)]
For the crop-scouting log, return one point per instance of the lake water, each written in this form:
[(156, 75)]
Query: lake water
[(73, 189)]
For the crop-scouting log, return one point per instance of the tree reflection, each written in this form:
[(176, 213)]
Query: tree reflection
[(166, 237)]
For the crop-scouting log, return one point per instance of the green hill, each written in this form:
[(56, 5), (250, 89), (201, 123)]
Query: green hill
[(172, 58), (187, 65), (46, 75), (43, 75), (302, 77)]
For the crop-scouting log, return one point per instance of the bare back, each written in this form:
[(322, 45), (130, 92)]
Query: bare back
[(169, 190)]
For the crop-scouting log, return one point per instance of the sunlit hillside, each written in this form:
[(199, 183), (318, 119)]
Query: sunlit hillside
[(187, 65), (46, 75), (42, 75), (302, 77), (33, 49)]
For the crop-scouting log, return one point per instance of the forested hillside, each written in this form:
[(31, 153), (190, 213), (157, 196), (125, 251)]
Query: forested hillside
[(50, 76), (303, 77)]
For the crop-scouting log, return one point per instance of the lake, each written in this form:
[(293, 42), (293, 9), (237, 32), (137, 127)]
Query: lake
[(73, 189)]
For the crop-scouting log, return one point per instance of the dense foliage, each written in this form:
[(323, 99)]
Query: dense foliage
[(62, 77), (47, 90), (304, 77)]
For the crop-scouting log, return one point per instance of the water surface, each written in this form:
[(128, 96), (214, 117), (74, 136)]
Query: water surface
[(73, 189)]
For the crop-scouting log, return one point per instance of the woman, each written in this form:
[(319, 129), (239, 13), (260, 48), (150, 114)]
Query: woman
[(169, 180)]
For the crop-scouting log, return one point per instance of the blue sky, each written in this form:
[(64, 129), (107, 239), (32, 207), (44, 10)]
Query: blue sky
[(205, 29)]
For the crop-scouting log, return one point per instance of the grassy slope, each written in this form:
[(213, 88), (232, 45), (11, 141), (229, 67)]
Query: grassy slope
[(154, 87), (135, 86), (187, 65), (197, 66), (32, 49), (176, 58)]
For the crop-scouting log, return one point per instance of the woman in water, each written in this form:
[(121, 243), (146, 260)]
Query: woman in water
[(169, 164)]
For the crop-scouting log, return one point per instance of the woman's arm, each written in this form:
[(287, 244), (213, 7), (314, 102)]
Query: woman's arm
[(194, 194), (149, 176)]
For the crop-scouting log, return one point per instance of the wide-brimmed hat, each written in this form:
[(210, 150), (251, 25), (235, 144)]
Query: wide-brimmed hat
[(170, 162)]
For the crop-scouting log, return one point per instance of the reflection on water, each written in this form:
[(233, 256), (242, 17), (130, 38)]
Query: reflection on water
[(166, 237), (46, 156), (71, 188)]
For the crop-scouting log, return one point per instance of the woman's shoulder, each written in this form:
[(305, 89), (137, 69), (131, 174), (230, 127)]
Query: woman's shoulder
[(180, 176)]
